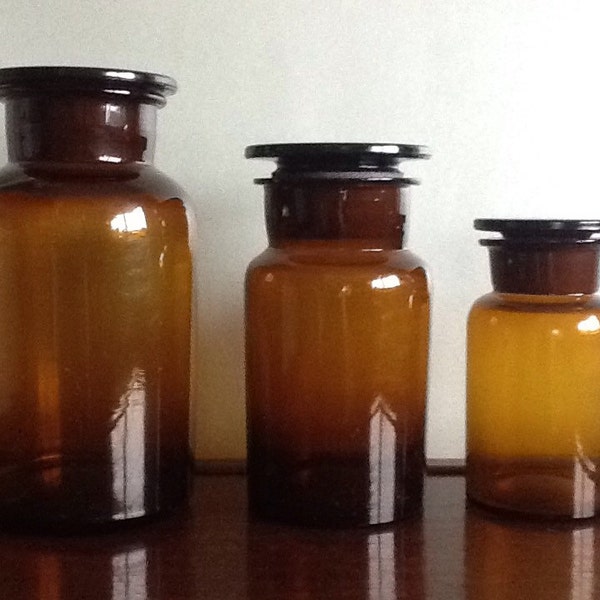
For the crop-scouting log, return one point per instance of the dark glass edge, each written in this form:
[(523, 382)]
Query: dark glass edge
[(338, 176), (17, 80), (539, 242), (334, 149), (535, 226)]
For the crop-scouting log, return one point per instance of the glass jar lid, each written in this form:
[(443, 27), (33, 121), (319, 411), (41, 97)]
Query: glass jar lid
[(148, 87), (361, 161), (536, 231)]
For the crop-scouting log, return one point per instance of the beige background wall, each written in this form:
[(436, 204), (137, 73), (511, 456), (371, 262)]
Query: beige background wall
[(503, 91)]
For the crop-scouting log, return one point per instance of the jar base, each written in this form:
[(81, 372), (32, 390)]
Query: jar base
[(55, 495), (539, 487), (333, 493)]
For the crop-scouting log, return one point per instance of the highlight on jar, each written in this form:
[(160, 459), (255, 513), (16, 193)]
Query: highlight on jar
[(337, 330), (533, 364)]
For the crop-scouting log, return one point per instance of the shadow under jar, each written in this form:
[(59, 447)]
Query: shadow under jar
[(337, 328), (533, 371), (94, 303)]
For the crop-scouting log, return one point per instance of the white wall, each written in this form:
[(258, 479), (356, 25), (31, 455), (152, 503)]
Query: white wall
[(503, 91)]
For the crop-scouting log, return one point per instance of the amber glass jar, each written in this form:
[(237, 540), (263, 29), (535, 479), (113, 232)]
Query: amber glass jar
[(533, 384), (94, 302), (336, 340)]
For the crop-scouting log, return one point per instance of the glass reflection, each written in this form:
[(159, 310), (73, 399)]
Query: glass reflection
[(382, 566), (127, 442), (509, 560), (583, 564), (386, 282), (584, 483), (71, 569), (131, 222), (312, 564), (109, 159), (130, 575), (589, 325), (382, 462), (48, 580)]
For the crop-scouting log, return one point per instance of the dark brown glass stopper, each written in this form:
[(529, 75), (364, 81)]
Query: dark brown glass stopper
[(543, 256), (334, 191), (80, 114)]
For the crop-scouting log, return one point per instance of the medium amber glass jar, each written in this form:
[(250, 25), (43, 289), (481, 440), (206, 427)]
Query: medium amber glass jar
[(337, 318), (94, 303), (533, 384)]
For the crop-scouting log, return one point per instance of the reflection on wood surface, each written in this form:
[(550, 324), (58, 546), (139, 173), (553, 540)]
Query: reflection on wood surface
[(211, 551)]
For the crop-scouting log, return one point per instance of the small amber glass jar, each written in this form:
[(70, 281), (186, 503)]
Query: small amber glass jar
[(94, 303), (337, 329), (533, 371)]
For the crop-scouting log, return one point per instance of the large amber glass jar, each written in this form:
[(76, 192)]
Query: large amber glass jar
[(336, 340), (94, 302), (533, 379)]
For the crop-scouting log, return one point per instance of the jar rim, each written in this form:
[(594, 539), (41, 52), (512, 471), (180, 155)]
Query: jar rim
[(356, 150), (328, 161), (539, 231), (535, 226), (150, 87)]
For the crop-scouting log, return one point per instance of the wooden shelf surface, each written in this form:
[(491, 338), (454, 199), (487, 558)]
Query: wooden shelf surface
[(211, 552)]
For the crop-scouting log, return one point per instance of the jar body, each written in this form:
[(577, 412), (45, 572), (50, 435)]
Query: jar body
[(533, 445), (95, 330), (336, 350)]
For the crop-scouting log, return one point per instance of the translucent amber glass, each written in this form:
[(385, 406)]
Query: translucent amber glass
[(533, 405), (94, 303), (94, 353), (336, 359)]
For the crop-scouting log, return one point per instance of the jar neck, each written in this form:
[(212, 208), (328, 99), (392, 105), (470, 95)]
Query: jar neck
[(79, 128), (551, 269), (369, 215)]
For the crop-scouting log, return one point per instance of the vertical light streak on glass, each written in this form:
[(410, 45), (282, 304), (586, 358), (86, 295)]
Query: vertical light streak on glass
[(48, 383), (128, 448), (584, 487), (382, 456)]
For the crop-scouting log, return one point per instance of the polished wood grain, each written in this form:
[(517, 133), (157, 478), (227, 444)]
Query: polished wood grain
[(211, 551)]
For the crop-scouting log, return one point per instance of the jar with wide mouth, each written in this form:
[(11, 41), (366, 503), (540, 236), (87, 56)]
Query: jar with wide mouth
[(337, 325), (95, 299), (533, 358)]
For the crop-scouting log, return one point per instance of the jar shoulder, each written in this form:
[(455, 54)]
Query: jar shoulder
[(87, 180), (284, 258), (498, 304), (277, 263), (488, 301)]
